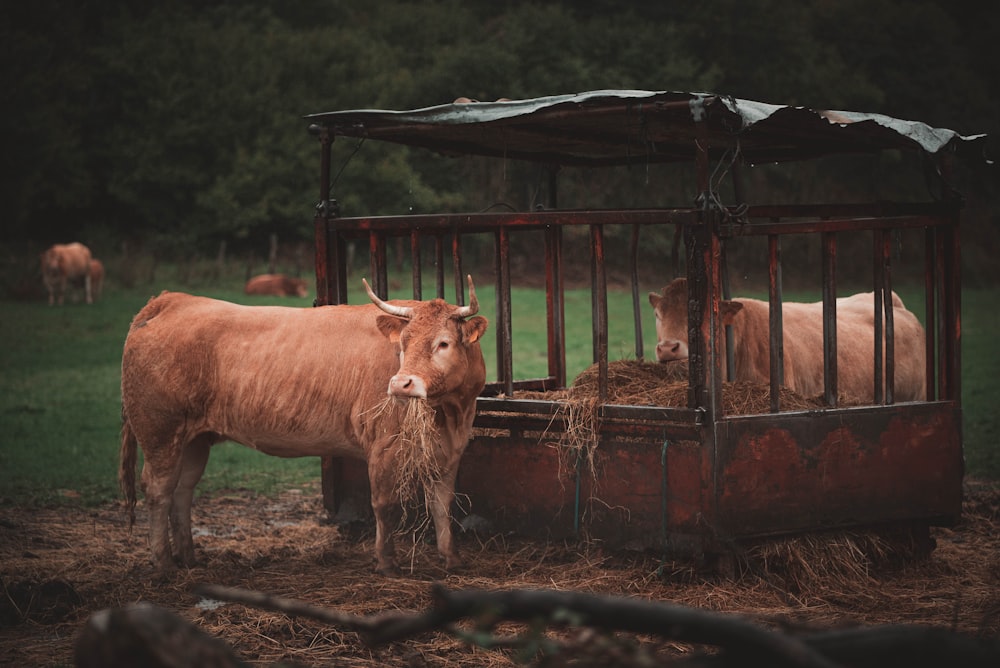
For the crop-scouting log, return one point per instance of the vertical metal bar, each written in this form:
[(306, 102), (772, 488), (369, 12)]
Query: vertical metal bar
[(944, 348), (456, 265), (555, 311), (636, 304), (439, 266), (954, 314), (331, 468), (702, 246), (829, 240), (379, 265), (727, 294), (321, 220), (415, 261), (878, 278), (890, 340), (776, 339), (952, 285), (505, 357), (930, 313), (599, 310)]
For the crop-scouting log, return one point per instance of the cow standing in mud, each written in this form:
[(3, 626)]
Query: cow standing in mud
[(295, 382), (802, 325), (65, 263)]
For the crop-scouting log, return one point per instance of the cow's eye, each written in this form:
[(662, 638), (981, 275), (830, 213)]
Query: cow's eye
[(442, 345)]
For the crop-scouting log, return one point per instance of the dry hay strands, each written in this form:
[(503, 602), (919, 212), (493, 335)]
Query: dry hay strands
[(835, 561), (638, 383), (630, 382), (416, 449)]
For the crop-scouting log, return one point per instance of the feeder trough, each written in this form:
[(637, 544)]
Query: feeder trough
[(696, 475)]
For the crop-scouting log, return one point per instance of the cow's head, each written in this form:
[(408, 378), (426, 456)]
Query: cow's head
[(296, 287), (439, 350), (671, 308), (50, 262)]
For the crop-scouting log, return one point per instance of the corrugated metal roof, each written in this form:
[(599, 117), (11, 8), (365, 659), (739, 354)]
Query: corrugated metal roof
[(611, 127)]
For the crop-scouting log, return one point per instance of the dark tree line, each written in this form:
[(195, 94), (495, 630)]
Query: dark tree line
[(179, 124)]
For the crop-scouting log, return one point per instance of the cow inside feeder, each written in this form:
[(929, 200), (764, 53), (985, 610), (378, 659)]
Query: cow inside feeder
[(695, 474)]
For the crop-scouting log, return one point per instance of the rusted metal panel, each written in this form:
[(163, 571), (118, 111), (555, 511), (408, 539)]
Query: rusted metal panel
[(641, 493), (839, 468), (519, 485), (635, 493)]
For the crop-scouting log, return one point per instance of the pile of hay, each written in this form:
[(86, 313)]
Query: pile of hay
[(638, 383)]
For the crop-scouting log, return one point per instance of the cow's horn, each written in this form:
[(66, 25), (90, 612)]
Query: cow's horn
[(473, 307), (401, 311)]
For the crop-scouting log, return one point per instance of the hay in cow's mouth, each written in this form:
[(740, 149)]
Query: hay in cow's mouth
[(416, 447)]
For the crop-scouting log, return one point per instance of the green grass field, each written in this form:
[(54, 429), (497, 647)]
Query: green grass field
[(60, 403)]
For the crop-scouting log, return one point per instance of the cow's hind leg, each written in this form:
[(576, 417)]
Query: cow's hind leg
[(193, 461), (160, 472)]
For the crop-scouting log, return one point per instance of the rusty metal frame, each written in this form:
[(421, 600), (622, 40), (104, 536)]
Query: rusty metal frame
[(635, 438)]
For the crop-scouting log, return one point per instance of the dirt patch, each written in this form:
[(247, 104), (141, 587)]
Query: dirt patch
[(58, 566)]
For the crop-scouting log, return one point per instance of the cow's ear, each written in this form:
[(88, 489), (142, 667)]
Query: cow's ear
[(728, 310), (654, 299), (474, 328), (391, 326)]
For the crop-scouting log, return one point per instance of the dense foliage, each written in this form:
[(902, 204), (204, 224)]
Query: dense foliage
[(179, 124)]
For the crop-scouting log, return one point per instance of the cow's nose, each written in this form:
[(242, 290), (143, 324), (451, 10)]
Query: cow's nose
[(668, 350), (407, 386)]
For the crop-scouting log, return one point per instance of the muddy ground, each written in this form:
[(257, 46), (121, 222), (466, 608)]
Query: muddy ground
[(58, 566)]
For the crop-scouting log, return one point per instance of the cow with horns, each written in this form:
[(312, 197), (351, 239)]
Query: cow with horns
[(295, 382)]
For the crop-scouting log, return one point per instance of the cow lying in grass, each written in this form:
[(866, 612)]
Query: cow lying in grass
[(802, 343), (295, 382), (276, 285)]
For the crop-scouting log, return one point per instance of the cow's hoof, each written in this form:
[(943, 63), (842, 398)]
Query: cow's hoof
[(165, 572), (389, 570), (186, 561)]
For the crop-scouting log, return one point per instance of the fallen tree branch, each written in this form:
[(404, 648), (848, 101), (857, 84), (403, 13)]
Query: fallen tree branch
[(742, 641), (673, 622)]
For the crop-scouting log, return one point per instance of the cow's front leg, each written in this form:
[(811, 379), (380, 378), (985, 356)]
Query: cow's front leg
[(385, 545), (384, 505), (442, 494)]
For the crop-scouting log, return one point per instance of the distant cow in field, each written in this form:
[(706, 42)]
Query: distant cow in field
[(65, 263), (802, 325), (277, 285), (294, 382)]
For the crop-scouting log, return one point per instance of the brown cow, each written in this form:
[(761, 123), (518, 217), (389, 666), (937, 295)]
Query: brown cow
[(277, 285), (294, 382), (63, 263), (802, 326)]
